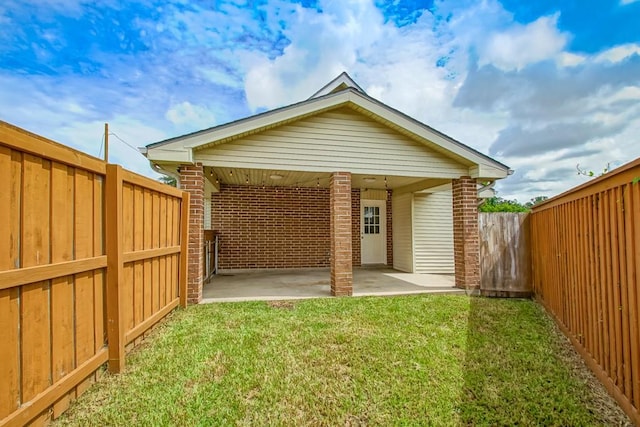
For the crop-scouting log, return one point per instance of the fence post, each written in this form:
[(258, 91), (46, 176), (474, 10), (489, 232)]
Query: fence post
[(184, 247), (115, 267)]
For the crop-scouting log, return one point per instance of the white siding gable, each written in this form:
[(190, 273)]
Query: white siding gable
[(338, 140)]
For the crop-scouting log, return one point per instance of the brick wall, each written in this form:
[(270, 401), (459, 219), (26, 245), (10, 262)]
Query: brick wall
[(465, 233), (192, 180), (271, 208), (274, 227)]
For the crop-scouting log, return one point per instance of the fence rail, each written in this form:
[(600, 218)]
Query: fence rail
[(586, 270), (91, 256)]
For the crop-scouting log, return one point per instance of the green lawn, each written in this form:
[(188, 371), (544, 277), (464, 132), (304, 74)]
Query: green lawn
[(413, 360)]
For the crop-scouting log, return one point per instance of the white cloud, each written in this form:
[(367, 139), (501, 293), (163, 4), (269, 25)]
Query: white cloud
[(395, 65), (569, 59), (193, 116), (618, 53), (626, 2), (467, 69), (545, 107), (630, 93), (66, 114), (219, 77), (323, 45), (521, 45)]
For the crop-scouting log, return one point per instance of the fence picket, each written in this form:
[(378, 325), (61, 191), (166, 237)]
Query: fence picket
[(62, 311), (52, 264), (99, 277), (593, 291), (633, 270), (624, 298), (616, 282), (35, 324), (10, 175)]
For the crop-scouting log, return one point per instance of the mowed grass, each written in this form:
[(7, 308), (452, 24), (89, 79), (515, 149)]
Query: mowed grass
[(411, 360)]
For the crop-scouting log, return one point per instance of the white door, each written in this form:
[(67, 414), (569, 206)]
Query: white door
[(373, 231)]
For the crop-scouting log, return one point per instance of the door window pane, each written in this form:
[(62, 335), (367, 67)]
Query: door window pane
[(371, 220)]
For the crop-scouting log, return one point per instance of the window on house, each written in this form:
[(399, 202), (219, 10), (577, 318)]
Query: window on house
[(371, 220)]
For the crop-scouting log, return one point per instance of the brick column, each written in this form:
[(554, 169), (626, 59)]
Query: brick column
[(192, 180), (389, 228), (465, 233), (340, 224), (356, 241)]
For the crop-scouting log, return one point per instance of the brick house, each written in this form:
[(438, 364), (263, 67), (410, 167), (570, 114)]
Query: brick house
[(338, 180)]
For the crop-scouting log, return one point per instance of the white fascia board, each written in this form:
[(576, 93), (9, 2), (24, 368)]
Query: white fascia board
[(251, 124), (342, 79), (485, 171), (266, 120), (173, 154)]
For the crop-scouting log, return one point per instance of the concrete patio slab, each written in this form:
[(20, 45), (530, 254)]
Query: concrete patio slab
[(265, 285)]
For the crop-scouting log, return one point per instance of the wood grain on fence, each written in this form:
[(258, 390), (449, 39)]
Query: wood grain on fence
[(586, 271), (505, 258), (56, 260)]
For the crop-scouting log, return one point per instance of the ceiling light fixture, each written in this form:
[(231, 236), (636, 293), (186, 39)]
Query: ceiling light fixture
[(369, 179), (276, 177)]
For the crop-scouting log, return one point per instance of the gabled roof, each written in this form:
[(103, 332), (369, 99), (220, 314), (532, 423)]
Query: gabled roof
[(340, 92), (343, 81)]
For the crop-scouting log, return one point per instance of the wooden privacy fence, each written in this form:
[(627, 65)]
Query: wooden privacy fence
[(505, 256), (586, 268), (91, 256)]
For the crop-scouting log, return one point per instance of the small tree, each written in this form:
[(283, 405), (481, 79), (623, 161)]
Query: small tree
[(591, 173), (169, 180), (498, 204), (538, 199)]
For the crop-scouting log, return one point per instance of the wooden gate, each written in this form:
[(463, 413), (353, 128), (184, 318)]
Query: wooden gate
[(505, 254)]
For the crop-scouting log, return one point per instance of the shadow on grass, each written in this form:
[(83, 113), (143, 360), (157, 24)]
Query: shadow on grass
[(512, 374)]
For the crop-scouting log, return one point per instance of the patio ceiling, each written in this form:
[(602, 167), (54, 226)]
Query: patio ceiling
[(281, 178)]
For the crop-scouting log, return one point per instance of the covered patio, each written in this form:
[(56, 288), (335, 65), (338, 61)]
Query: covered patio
[(267, 285), (334, 182)]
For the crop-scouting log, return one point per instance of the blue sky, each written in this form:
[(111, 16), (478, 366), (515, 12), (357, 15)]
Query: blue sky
[(540, 85)]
